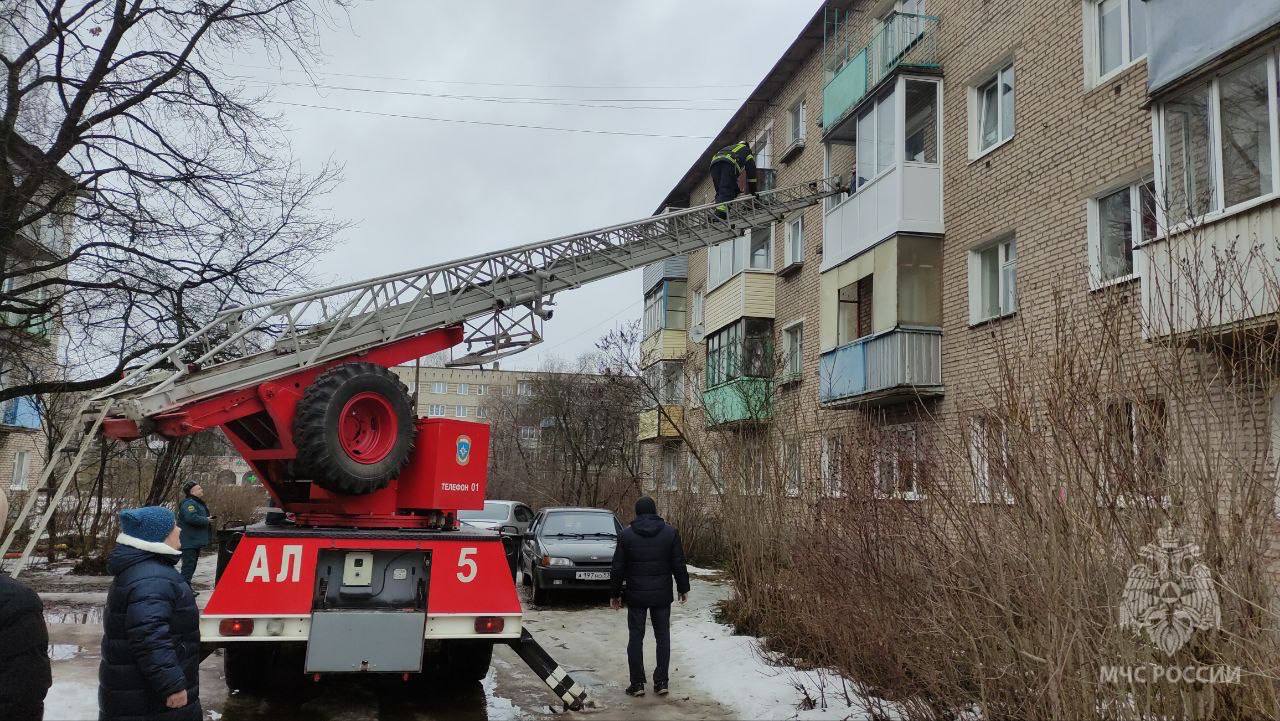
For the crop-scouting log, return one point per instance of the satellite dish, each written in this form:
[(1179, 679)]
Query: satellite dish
[(696, 334)]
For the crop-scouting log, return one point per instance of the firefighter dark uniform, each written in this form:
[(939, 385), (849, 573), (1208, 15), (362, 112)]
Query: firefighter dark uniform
[(728, 165)]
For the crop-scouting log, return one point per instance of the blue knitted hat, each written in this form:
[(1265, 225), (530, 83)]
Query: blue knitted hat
[(152, 523)]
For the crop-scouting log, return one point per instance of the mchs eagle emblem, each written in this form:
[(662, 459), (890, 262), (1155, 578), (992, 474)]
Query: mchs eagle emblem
[(1171, 595)]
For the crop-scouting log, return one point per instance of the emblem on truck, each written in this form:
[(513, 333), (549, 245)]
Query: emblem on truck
[(464, 450)]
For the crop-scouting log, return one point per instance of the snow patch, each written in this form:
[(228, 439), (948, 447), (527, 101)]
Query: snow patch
[(755, 684), (73, 700)]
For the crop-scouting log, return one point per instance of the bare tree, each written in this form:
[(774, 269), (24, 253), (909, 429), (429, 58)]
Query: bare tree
[(156, 188)]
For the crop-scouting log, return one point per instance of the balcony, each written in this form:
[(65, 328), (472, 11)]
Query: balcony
[(20, 413), (904, 41), (890, 367), (663, 345), (46, 236), (897, 179), (739, 401), (1214, 278), (660, 425)]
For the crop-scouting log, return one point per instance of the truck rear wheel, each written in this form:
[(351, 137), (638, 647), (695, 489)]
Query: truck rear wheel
[(468, 660), (354, 428)]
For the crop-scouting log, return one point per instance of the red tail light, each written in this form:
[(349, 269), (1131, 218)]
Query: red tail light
[(235, 626), (490, 624)]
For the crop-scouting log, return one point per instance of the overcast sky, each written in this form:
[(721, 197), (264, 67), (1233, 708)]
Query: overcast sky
[(423, 191)]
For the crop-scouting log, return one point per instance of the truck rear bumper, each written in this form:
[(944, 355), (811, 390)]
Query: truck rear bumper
[(440, 626)]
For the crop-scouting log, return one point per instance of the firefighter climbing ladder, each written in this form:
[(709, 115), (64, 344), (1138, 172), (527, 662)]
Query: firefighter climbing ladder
[(500, 298)]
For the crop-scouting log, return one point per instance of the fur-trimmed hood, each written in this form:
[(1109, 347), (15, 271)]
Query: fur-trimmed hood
[(130, 551)]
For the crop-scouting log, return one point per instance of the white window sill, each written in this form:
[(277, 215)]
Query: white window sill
[(1116, 72), (993, 319), (1098, 285), (911, 496), (791, 267), (791, 378), (979, 155)]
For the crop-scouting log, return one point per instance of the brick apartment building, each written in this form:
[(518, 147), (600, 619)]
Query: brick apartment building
[(1002, 157)]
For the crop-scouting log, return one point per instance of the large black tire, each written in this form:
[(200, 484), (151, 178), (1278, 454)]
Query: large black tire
[(247, 666), (317, 434), (468, 660), (540, 595)]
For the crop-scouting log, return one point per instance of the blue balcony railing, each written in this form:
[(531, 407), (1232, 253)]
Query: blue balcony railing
[(904, 40), (909, 359)]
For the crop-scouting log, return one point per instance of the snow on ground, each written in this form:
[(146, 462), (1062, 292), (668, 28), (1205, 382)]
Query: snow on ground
[(754, 683)]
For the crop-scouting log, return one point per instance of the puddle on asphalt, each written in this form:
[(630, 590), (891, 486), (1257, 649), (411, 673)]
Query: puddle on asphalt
[(73, 614)]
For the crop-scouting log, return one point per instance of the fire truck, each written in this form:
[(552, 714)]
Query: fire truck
[(370, 570)]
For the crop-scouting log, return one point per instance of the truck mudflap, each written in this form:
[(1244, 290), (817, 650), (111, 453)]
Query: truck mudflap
[(552, 673)]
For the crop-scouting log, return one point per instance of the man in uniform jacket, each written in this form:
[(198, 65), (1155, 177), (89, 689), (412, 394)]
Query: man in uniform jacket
[(648, 556), (194, 520), (150, 668), (24, 646)]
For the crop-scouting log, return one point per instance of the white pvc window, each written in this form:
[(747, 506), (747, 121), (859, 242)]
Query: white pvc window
[(796, 120), (794, 241), (437, 387), (992, 119), (793, 459), (1115, 35), (753, 250), (436, 409), (460, 411), (21, 461), (989, 460), (463, 389), (794, 343), (1119, 221), (1216, 142), (993, 281), (875, 140)]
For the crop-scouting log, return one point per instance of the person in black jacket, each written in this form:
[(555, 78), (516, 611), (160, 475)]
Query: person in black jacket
[(24, 646), (733, 171), (150, 668), (648, 556)]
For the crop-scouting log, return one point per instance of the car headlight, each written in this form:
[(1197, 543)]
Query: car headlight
[(549, 561)]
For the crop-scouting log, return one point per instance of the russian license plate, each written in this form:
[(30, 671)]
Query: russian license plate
[(592, 575)]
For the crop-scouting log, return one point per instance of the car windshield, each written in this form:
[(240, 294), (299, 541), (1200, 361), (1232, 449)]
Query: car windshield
[(492, 512), (579, 524)]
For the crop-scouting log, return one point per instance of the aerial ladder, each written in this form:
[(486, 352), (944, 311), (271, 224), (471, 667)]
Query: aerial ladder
[(372, 552)]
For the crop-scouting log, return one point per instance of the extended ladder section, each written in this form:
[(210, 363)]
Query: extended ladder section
[(499, 297)]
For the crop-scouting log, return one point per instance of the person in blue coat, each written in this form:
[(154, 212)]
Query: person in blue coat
[(150, 669), (649, 555), (194, 520)]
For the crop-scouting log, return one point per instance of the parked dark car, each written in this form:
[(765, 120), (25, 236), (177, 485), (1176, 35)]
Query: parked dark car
[(569, 549)]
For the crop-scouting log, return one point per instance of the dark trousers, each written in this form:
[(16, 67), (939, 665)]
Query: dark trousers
[(661, 616), (725, 179), (189, 558)]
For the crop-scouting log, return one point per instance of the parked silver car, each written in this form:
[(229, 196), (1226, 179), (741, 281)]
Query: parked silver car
[(503, 516)]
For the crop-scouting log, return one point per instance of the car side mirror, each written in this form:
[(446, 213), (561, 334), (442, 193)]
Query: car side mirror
[(509, 530), (527, 535)]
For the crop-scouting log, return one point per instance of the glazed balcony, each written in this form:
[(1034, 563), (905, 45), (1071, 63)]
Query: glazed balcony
[(881, 369)]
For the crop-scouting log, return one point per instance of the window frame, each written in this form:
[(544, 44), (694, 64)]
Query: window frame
[(459, 411), (1218, 208), (888, 97), (796, 122), (1138, 192), (793, 466), (439, 387), (979, 429), (435, 410), (795, 329), (976, 92), (1094, 75), (793, 241), (977, 287), (894, 440), (832, 461), (21, 462)]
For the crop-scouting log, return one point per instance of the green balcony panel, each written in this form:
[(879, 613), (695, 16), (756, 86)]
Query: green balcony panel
[(748, 400), (845, 89)]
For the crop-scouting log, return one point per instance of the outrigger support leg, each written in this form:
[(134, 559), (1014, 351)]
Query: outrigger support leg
[(561, 684)]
